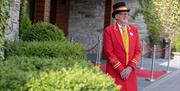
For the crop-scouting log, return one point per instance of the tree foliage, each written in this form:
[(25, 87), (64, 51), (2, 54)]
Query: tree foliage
[(164, 15)]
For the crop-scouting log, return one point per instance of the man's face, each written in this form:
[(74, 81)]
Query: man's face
[(122, 17)]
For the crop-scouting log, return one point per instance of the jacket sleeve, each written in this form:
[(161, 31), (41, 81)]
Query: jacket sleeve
[(137, 54), (108, 51)]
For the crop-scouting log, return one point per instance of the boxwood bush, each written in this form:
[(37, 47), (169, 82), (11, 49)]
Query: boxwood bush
[(73, 79), (45, 49), (43, 32)]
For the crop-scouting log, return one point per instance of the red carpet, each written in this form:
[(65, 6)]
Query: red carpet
[(140, 73), (146, 73)]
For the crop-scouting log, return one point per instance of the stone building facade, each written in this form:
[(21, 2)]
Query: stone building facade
[(88, 19), (82, 20)]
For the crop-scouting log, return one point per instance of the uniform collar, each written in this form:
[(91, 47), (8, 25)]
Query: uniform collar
[(120, 27)]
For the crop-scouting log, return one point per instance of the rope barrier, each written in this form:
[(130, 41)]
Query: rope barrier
[(152, 51), (157, 50), (147, 53), (161, 49), (91, 48)]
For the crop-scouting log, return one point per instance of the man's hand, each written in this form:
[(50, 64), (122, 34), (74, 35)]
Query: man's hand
[(126, 72)]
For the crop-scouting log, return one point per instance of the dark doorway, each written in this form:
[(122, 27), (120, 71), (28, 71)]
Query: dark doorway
[(31, 9), (59, 14), (53, 11)]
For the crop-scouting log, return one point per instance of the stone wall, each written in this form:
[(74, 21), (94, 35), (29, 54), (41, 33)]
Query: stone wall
[(12, 34), (140, 23), (86, 20)]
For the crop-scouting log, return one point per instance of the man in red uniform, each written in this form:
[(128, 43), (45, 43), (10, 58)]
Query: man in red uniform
[(122, 49)]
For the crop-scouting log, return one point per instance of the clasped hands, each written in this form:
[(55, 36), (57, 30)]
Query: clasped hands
[(126, 72)]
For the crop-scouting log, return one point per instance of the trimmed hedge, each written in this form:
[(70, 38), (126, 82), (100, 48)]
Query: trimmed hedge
[(44, 64), (43, 32), (16, 71), (74, 79), (13, 78), (29, 62), (45, 49), (42, 74)]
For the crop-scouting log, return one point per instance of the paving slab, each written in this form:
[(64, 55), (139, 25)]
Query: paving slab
[(170, 82)]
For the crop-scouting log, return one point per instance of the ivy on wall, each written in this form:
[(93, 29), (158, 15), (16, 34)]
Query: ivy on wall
[(162, 15), (5, 6)]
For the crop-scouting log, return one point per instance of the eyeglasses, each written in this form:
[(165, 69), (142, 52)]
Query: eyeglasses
[(124, 13)]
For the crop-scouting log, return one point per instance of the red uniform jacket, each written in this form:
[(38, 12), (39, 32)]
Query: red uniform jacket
[(116, 57)]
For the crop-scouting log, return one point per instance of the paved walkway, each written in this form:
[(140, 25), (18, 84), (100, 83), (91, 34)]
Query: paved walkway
[(160, 65), (171, 82)]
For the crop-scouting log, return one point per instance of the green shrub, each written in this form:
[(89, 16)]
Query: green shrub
[(43, 32), (16, 71), (45, 49), (36, 63), (154, 36), (24, 24), (74, 79), (12, 78), (177, 44)]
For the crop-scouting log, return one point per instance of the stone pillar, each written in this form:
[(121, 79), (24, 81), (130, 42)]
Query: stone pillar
[(108, 11), (12, 34), (42, 10)]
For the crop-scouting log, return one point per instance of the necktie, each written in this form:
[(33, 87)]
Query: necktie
[(125, 38)]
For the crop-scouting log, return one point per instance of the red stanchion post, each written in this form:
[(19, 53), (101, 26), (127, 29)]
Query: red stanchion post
[(151, 79)]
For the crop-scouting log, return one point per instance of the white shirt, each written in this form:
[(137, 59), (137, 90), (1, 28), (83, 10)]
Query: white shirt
[(120, 27)]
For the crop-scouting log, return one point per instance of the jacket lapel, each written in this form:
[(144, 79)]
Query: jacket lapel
[(118, 35), (130, 40)]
